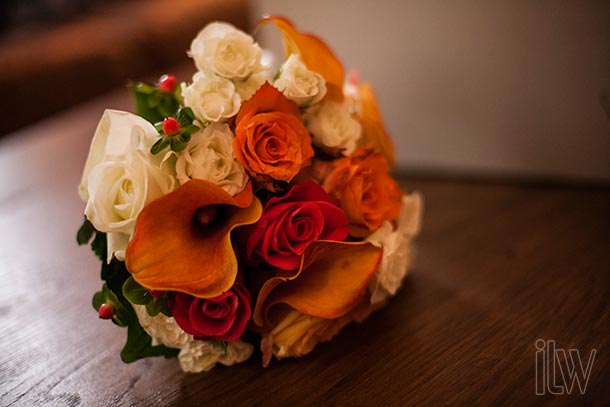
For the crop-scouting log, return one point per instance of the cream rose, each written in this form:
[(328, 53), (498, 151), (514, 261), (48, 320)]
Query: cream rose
[(116, 134), (212, 98), (248, 87), (209, 156), (332, 126), (396, 248), (162, 329), (200, 356), (118, 190), (223, 50), (299, 84)]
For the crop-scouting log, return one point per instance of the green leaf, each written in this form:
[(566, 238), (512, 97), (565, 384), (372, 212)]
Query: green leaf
[(98, 299), (158, 305), (85, 232), (185, 116), (100, 246), (190, 129), (145, 102), (153, 308), (135, 293), (139, 345), (160, 145), (124, 313), (178, 144)]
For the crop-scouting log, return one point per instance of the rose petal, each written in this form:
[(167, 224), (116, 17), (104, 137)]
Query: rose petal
[(169, 252), (331, 280), (314, 53), (267, 99)]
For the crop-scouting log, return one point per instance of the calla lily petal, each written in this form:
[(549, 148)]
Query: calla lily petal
[(331, 280), (314, 53), (171, 250), (374, 133)]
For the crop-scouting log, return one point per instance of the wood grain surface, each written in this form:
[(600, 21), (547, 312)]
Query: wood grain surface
[(498, 267)]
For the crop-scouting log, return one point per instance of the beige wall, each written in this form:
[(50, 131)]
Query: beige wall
[(499, 87)]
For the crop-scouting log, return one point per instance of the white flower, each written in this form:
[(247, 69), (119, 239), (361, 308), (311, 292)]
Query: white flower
[(300, 84), (162, 329), (209, 156), (199, 356), (396, 246), (332, 126), (247, 88), (118, 190), (222, 49), (212, 98), (116, 134), (121, 176)]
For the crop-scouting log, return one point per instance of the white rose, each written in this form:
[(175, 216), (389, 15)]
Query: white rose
[(209, 156), (118, 190), (116, 134), (332, 126), (396, 246), (247, 88), (212, 98), (162, 329), (222, 49), (199, 356), (300, 84)]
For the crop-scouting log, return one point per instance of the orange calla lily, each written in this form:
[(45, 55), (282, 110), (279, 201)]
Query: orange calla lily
[(331, 281), (182, 240), (314, 53), (374, 133)]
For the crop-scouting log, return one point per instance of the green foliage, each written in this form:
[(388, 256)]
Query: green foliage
[(135, 293), (153, 104), (85, 232), (176, 142), (118, 287), (139, 345), (98, 245)]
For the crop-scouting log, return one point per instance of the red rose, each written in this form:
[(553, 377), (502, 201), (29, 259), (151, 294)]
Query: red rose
[(222, 318), (290, 222)]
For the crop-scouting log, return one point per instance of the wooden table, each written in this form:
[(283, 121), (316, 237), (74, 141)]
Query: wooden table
[(499, 267)]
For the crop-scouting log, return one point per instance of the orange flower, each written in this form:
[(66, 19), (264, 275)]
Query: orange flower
[(314, 53), (270, 140), (297, 334), (330, 282), (182, 240), (374, 134), (365, 191)]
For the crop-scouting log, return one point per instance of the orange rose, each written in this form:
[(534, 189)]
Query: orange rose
[(297, 334), (365, 191), (270, 140)]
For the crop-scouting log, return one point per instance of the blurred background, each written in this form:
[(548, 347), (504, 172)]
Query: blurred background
[(482, 89)]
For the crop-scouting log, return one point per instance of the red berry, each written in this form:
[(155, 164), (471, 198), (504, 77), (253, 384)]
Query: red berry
[(167, 83), (106, 311), (170, 126)]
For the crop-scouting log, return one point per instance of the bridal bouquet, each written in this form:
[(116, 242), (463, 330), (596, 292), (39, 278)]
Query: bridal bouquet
[(247, 207)]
